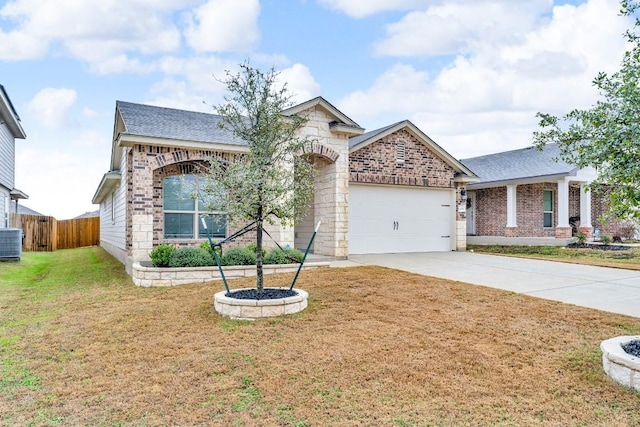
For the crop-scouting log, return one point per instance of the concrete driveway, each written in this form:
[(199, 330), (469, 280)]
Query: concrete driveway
[(608, 289)]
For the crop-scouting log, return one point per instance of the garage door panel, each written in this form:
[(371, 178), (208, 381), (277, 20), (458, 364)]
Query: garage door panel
[(424, 219)]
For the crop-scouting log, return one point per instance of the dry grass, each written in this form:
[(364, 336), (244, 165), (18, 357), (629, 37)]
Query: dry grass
[(374, 347)]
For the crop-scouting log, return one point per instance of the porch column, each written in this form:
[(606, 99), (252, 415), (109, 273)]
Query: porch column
[(512, 211), (585, 209), (563, 229), (512, 208)]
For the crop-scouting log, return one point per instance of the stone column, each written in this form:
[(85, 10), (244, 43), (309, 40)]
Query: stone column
[(563, 229), (512, 211), (585, 210)]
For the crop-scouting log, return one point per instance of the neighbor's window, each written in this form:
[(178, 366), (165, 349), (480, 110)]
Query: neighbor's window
[(548, 208), (182, 211)]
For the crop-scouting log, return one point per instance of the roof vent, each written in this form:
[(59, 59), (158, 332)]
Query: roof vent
[(400, 151)]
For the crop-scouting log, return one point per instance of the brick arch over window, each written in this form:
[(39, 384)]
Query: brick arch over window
[(322, 151), (192, 156)]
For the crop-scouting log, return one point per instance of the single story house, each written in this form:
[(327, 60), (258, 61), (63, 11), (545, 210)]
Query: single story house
[(528, 196), (389, 190)]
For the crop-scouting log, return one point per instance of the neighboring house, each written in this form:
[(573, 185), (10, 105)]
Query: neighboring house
[(22, 209), (529, 196), (10, 130), (91, 214), (389, 190)]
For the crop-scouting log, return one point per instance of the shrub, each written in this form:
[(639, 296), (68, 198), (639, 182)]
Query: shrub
[(581, 237), (238, 256), (190, 257), (207, 247), (253, 248), (160, 255), (605, 239), (289, 256)]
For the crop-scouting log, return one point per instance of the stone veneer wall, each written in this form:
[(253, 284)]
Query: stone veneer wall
[(332, 185)]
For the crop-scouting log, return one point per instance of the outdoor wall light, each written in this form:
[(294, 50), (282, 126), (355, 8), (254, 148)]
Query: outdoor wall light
[(463, 194)]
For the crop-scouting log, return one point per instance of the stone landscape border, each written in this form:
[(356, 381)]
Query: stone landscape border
[(155, 276), (251, 309), (619, 365)]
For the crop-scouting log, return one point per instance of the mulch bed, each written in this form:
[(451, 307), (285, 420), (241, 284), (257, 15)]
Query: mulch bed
[(269, 293), (598, 247), (632, 348)]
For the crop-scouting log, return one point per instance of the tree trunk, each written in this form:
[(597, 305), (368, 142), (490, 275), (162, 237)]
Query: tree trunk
[(259, 273)]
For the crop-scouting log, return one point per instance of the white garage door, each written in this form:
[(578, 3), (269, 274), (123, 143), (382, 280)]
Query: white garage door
[(400, 219)]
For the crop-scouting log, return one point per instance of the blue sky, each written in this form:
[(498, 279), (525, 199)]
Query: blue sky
[(470, 73)]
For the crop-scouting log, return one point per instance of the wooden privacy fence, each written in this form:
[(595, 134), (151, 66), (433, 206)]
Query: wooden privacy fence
[(46, 234)]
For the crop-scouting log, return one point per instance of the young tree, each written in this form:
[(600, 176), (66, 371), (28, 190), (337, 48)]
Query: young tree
[(607, 136), (272, 182)]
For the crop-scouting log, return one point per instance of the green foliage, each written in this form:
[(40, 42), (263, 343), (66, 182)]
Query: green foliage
[(253, 248), (238, 256), (605, 239), (205, 246), (606, 135), (190, 257), (161, 254), (276, 256), (272, 182), (581, 237)]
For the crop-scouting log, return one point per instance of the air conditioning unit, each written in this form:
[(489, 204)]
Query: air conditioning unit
[(10, 244)]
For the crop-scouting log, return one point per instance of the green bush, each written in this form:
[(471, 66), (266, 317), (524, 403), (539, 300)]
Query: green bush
[(253, 248), (190, 257), (238, 256), (207, 247), (605, 239), (160, 255), (581, 237), (289, 256)]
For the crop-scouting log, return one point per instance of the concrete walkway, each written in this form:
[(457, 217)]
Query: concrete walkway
[(607, 289)]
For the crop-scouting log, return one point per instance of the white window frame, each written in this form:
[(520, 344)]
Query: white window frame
[(196, 212), (545, 212)]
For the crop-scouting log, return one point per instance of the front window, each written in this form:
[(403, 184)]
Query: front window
[(183, 210), (548, 208)]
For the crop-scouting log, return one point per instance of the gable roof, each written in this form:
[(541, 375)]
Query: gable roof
[(358, 142), (518, 165), (170, 123), (9, 115), (343, 122)]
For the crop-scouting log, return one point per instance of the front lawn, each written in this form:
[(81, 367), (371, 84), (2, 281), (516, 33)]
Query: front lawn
[(80, 345), (629, 259)]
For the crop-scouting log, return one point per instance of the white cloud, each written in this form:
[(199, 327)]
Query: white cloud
[(485, 99), (300, 83), (459, 27), (60, 183), (224, 25), (50, 105), (95, 32), (362, 8)]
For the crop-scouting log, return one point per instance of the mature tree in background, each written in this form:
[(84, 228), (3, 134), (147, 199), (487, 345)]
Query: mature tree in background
[(607, 136), (272, 183)]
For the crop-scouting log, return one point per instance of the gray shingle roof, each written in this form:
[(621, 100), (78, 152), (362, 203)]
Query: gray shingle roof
[(519, 164), (356, 140), (169, 123)]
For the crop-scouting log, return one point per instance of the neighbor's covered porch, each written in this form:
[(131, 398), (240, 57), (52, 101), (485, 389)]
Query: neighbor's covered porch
[(544, 211)]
